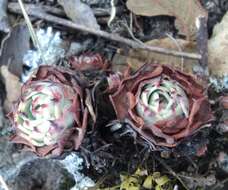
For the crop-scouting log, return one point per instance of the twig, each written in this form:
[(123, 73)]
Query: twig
[(31, 30), (202, 38), (113, 37), (179, 48), (102, 148), (3, 183), (29, 24), (113, 12), (45, 8), (98, 12)]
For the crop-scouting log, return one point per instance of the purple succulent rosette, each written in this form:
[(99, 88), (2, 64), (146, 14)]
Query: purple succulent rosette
[(162, 104), (51, 114)]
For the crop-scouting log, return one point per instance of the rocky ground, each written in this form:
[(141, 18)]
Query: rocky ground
[(101, 157)]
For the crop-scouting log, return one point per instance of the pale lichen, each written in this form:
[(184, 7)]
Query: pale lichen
[(219, 84), (74, 164), (51, 51)]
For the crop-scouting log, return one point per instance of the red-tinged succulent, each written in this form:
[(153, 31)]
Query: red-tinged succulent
[(224, 101), (51, 114), (162, 104), (88, 61), (223, 125)]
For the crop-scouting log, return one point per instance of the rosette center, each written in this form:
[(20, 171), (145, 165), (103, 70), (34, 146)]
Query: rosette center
[(43, 113), (161, 99)]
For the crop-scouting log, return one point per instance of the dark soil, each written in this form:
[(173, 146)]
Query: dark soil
[(109, 154)]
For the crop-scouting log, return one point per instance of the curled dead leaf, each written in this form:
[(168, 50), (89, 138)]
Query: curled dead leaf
[(13, 48), (13, 87), (80, 13), (185, 12), (137, 58)]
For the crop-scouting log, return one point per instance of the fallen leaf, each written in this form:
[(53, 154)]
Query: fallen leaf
[(12, 86), (137, 58), (80, 13), (119, 62), (130, 183), (13, 48), (218, 49), (184, 11), (148, 182), (161, 180), (142, 180)]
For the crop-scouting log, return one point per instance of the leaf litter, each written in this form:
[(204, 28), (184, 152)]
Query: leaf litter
[(123, 154), (185, 12)]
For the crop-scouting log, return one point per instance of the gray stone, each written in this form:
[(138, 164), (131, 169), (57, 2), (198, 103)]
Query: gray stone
[(42, 174), (11, 158), (23, 170)]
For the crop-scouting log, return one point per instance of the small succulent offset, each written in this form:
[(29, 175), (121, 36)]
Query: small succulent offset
[(162, 104), (88, 61), (51, 114)]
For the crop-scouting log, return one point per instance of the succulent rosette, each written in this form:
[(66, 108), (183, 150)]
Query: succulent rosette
[(88, 61), (162, 104), (51, 113)]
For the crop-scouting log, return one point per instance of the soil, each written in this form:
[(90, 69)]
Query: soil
[(108, 154)]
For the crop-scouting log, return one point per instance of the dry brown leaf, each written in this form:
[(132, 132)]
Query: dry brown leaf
[(119, 62), (139, 57), (13, 48), (13, 87), (218, 49), (80, 13), (185, 12)]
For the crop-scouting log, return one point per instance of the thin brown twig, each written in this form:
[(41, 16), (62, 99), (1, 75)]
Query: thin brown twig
[(179, 48), (98, 12), (202, 40), (114, 37)]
